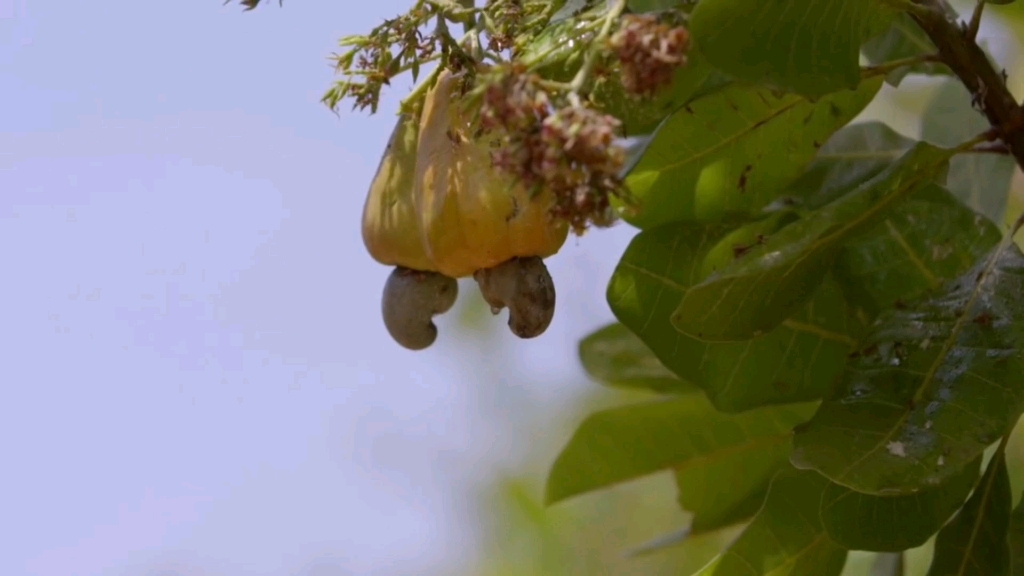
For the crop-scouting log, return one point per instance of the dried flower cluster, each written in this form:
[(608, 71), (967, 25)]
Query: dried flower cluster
[(648, 52), (567, 149)]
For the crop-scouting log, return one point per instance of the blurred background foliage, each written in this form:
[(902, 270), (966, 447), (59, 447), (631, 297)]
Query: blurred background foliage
[(611, 532)]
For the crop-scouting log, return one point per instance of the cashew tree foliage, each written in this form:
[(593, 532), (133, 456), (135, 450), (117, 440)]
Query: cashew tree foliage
[(829, 315)]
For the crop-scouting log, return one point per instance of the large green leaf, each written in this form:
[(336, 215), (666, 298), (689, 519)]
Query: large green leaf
[(620, 444), (850, 157), (975, 542), (811, 47), (795, 362), (937, 381), (1016, 539), (760, 289), (980, 180), (615, 356), (903, 39), (893, 523), (786, 537), (928, 239), (730, 152)]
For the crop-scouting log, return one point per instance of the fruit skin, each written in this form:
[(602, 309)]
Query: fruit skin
[(411, 299), (525, 287), (391, 231), (471, 216)]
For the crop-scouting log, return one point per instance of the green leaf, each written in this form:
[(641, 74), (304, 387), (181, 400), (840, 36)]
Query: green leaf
[(811, 47), (731, 152), (893, 523), (621, 444), (786, 537), (926, 240), (936, 382), (982, 181), (759, 290), (1016, 539), (731, 488), (975, 542), (903, 39), (850, 157), (615, 356), (795, 362)]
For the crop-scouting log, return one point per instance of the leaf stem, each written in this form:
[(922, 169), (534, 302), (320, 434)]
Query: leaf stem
[(887, 67)]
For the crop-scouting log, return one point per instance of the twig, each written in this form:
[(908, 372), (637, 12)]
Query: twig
[(971, 65), (972, 27)]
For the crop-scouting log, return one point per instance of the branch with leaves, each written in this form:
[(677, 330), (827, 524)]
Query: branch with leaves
[(827, 314)]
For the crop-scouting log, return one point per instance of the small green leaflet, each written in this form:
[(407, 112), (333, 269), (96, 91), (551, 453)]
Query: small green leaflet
[(732, 151), (762, 288), (936, 382), (795, 362), (893, 523), (615, 356), (975, 542), (629, 442), (810, 47), (786, 537)]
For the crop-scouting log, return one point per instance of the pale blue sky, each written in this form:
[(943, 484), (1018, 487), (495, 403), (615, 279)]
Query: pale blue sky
[(197, 376)]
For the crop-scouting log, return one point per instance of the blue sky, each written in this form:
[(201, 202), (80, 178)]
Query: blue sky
[(197, 376)]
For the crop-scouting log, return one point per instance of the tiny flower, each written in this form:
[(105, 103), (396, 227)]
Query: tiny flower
[(648, 52)]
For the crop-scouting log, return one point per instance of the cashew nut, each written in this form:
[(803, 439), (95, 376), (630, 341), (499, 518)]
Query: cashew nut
[(526, 288), (411, 299)]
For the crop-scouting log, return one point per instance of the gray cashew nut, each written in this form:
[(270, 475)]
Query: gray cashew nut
[(411, 299), (525, 287)]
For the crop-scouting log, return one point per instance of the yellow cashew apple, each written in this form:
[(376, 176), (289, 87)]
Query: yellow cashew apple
[(390, 225), (471, 216)]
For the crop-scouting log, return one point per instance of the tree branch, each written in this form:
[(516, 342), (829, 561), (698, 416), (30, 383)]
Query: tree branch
[(968, 61)]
